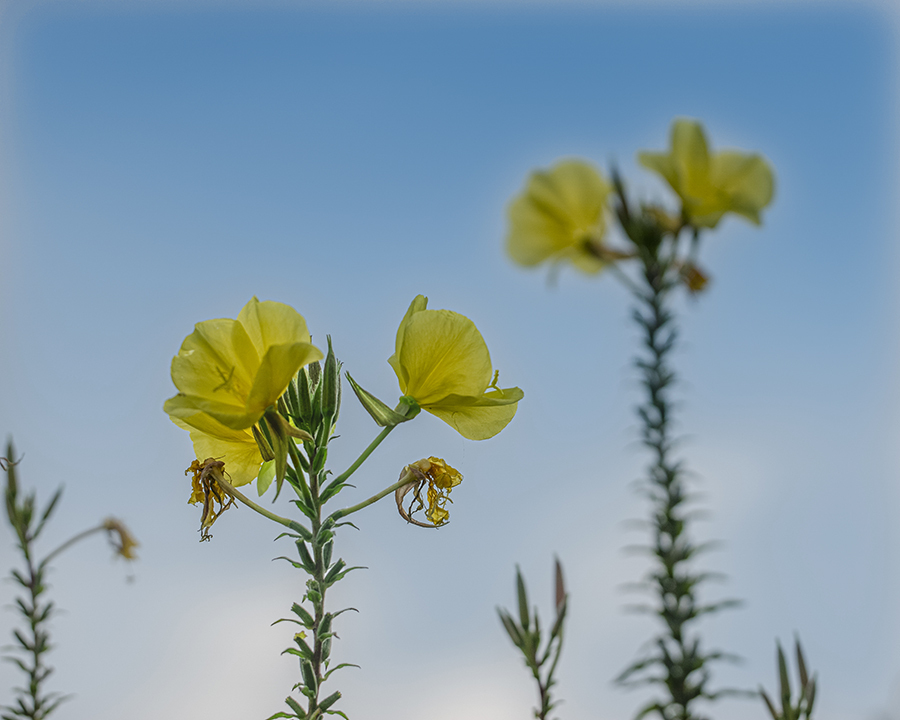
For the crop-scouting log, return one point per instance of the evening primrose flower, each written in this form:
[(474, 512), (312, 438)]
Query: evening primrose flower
[(232, 371), (443, 364), (561, 216), (437, 478), (711, 184)]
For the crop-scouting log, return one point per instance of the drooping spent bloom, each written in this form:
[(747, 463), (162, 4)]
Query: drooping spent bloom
[(711, 184), (442, 362), (561, 216), (120, 537), (237, 449), (437, 479), (206, 489), (232, 371)]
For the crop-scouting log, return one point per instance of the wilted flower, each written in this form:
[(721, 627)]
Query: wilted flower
[(442, 362), (237, 449), (231, 371), (437, 478), (122, 540), (711, 184), (561, 216), (206, 489)]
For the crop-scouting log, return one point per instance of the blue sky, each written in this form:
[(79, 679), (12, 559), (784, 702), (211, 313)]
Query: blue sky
[(163, 164)]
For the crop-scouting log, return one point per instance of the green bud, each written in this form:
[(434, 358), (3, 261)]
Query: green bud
[(331, 388)]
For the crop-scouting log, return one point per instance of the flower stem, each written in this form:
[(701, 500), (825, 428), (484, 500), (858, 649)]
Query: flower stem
[(405, 479), (365, 454), (231, 490), (71, 541)]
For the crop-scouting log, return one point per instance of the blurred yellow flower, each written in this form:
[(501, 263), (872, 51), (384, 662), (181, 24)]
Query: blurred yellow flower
[(711, 184), (231, 371), (441, 478), (561, 216), (442, 362)]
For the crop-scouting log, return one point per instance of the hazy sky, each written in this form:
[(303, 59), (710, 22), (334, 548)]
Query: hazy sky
[(164, 163)]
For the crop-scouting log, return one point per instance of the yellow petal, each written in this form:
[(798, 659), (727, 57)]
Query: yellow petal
[(217, 361), (236, 448), (746, 179), (442, 353), (479, 418), (271, 323), (279, 365), (419, 303)]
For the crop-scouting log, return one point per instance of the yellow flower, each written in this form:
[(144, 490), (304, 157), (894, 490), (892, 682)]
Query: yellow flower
[(231, 371), (442, 362), (561, 216), (711, 184), (440, 478)]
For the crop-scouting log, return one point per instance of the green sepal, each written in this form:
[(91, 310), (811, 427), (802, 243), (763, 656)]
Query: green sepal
[(381, 413)]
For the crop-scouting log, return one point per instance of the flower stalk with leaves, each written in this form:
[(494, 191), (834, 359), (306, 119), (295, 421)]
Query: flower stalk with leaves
[(32, 644), (272, 420), (562, 216), (526, 636)]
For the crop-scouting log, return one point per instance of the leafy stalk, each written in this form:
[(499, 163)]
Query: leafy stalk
[(32, 644), (313, 403), (526, 636), (802, 710), (678, 664)]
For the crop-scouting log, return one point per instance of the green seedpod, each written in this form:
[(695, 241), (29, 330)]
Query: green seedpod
[(317, 462), (327, 549), (309, 677), (326, 648), (314, 595), (303, 614), (324, 626), (304, 395), (335, 571), (305, 558), (330, 700), (295, 706)]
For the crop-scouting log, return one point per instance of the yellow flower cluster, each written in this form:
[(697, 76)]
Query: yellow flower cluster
[(561, 214)]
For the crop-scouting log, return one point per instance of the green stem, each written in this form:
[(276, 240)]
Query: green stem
[(344, 512), (365, 454), (237, 494), (71, 541)]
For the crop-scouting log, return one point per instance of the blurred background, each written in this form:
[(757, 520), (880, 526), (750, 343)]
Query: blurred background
[(164, 162)]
